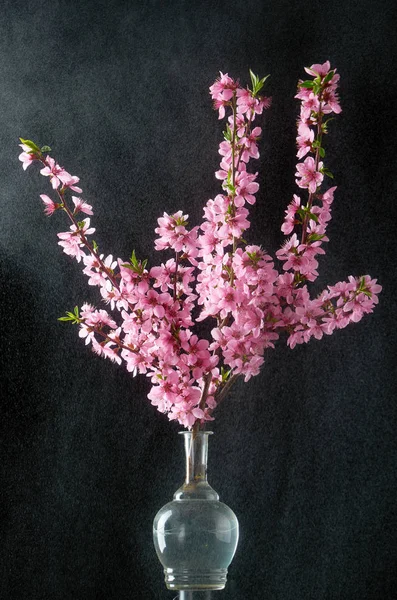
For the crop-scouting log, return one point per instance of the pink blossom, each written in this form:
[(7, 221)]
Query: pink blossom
[(249, 142), (331, 102), (26, 157), (309, 105), (304, 140), (328, 196), (318, 69), (223, 87), (235, 225), (220, 105), (245, 189), (55, 172), (81, 206), (311, 176), (108, 351), (290, 214), (71, 241), (246, 103), (50, 206), (174, 235), (222, 92), (94, 270), (69, 181)]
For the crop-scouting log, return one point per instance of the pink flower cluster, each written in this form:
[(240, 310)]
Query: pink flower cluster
[(235, 285)]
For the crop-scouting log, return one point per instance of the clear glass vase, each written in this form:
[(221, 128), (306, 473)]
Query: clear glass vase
[(195, 535)]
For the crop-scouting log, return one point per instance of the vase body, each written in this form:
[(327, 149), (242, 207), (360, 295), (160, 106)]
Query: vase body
[(195, 535)]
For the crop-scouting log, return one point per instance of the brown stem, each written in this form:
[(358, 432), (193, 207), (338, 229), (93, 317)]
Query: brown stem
[(234, 137), (106, 336), (225, 389), (317, 160), (176, 272), (203, 400), (246, 132)]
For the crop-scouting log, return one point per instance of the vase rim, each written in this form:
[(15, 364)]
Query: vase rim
[(198, 432)]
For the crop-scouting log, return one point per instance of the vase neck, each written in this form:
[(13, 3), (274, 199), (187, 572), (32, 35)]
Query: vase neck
[(196, 456)]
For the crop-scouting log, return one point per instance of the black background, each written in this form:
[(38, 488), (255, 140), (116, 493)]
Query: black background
[(304, 453)]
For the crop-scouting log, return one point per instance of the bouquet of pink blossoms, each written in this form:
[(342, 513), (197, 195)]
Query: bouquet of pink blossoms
[(233, 284)]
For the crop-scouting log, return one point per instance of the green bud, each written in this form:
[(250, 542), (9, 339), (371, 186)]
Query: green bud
[(72, 316)]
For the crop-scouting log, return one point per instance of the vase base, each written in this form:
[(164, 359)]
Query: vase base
[(194, 595), (196, 581)]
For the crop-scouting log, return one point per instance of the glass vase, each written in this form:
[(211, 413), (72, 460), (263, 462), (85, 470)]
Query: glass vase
[(195, 535)]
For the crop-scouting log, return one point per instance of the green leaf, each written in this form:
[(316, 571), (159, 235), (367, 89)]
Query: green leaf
[(315, 237), (363, 288), (321, 151), (324, 125), (327, 172), (312, 216), (225, 374), (262, 81), (307, 84), (94, 245), (228, 134), (45, 149), (133, 259), (328, 77), (259, 85), (316, 88), (128, 266), (254, 79), (304, 211), (136, 265), (31, 145)]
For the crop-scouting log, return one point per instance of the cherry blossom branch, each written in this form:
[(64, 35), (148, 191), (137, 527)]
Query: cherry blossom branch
[(231, 282)]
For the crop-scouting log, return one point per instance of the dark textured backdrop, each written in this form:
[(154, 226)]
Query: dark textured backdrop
[(304, 453)]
